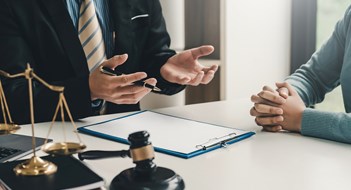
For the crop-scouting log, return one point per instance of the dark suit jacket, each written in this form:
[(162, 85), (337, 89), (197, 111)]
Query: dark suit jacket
[(41, 33)]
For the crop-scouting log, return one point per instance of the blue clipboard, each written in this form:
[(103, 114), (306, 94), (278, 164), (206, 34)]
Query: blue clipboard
[(97, 129)]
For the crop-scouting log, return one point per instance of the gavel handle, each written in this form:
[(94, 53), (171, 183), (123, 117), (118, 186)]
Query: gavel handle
[(99, 154)]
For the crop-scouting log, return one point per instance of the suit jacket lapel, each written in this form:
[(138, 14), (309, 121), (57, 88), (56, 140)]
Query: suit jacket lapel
[(67, 34)]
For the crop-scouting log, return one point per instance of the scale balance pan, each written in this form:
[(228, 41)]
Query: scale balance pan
[(9, 128), (63, 148)]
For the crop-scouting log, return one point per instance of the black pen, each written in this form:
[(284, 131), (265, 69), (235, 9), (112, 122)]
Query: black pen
[(108, 71)]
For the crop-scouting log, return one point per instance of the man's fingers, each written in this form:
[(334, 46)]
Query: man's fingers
[(130, 94), (113, 82), (130, 78), (134, 89), (197, 80), (201, 51), (133, 98), (151, 81), (209, 74), (174, 76), (115, 61), (181, 79), (213, 68), (208, 77), (126, 90)]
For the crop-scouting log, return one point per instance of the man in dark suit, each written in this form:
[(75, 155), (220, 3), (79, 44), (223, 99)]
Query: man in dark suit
[(47, 35)]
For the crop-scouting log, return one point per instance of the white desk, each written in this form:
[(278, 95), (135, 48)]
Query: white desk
[(272, 161)]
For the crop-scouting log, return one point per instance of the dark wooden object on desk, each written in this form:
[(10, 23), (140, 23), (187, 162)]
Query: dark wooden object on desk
[(202, 26)]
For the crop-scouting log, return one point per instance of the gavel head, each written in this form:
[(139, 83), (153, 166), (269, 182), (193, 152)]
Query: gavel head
[(145, 175), (142, 153)]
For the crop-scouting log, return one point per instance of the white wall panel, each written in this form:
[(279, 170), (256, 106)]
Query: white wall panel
[(255, 45)]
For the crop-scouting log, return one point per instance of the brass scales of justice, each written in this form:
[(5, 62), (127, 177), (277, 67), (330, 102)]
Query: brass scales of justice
[(36, 165)]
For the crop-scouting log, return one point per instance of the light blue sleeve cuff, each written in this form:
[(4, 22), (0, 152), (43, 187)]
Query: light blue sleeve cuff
[(96, 103)]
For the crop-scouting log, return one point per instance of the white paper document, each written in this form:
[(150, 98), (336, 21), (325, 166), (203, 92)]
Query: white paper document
[(167, 132)]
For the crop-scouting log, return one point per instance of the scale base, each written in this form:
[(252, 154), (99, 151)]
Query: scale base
[(161, 179), (8, 128), (35, 166)]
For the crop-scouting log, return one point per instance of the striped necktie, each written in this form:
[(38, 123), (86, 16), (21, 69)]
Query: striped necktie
[(90, 35)]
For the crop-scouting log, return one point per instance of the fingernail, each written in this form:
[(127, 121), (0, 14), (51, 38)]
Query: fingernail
[(279, 111), (121, 56)]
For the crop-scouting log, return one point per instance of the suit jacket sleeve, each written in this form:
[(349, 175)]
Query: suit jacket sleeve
[(157, 48), (15, 53)]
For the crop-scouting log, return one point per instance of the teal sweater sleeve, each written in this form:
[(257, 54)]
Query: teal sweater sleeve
[(329, 67), (326, 125)]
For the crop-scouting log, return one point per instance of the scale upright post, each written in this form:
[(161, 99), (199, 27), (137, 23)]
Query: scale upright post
[(35, 165)]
